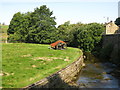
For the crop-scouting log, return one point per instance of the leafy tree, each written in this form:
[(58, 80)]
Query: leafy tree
[(85, 40), (74, 30), (39, 27), (18, 28), (33, 27), (63, 31), (15, 23), (43, 25), (86, 36), (96, 30)]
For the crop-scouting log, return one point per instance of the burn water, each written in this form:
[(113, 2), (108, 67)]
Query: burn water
[(97, 74)]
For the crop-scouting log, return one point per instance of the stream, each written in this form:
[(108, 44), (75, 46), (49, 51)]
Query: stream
[(97, 74)]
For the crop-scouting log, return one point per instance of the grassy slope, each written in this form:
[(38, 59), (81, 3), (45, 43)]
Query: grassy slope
[(17, 62), (3, 31)]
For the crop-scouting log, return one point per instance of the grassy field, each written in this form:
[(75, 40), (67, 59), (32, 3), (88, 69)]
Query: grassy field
[(24, 64), (3, 33)]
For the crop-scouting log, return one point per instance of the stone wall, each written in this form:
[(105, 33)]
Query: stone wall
[(112, 41), (60, 78)]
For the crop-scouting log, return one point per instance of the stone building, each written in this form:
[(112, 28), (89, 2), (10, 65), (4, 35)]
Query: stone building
[(111, 28)]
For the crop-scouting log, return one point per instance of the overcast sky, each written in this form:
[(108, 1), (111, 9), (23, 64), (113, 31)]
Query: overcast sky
[(85, 11)]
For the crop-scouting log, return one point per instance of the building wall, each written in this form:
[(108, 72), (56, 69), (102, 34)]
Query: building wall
[(60, 78)]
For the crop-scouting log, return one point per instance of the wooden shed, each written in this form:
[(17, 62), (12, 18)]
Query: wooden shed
[(59, 45)]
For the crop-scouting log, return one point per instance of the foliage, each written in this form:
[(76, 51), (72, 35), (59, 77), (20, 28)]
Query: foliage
[(63, 31), (117, 21), (32, 27), (15, 23), (21, 69), (39, 27), (85, 36)]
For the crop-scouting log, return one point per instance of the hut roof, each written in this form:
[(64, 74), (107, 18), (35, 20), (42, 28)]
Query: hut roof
[(57, 42)]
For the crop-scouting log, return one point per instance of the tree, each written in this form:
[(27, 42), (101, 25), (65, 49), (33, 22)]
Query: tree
[(117, 21), (86, 36), (63, 31), (15, 23), (33, 27), (18, 28), (43, 26)]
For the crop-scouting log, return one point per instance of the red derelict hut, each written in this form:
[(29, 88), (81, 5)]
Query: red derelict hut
[(59, 45)]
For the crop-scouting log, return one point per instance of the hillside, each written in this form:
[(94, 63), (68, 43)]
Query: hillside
[(24, 64)]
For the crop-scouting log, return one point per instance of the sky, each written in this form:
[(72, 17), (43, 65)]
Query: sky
[(85, 11)]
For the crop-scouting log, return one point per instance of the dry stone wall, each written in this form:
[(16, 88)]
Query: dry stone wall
[(114, 41)]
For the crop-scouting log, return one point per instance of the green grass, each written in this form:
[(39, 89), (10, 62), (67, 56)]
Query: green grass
[(20, 69)]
